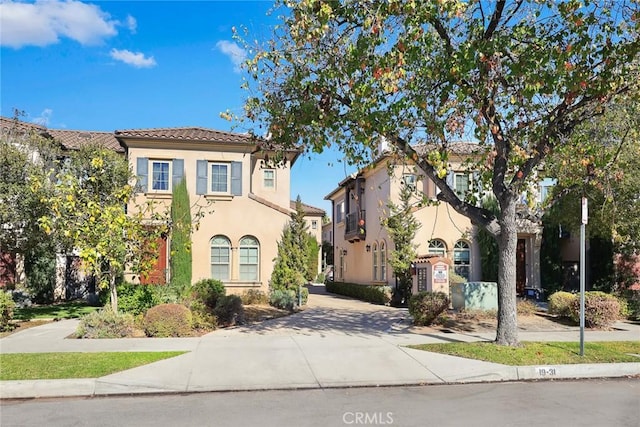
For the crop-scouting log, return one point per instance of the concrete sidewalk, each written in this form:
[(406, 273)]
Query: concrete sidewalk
[(336, 342)]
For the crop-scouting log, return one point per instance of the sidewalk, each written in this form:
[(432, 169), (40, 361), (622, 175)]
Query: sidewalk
[(336, 342)]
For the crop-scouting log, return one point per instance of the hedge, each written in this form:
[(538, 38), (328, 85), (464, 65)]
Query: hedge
[(369, 293)]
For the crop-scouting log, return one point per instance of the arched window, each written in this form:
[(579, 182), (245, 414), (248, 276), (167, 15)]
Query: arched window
[(375, 261), (341, 265), (249, 258), (383, 261), (437, 247), (461, 259), (220, 258)]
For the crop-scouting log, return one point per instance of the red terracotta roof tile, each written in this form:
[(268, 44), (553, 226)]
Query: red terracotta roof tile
[(75, 139), (187, 134)]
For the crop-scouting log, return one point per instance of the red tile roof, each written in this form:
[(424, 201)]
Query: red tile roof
[(74, 139), (308, 209), (187, 134), (7, 124)]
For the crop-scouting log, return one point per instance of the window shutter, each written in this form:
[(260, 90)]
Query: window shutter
[(449, 179), (236, 178), (142, 171), (201, 176), (178, 172)]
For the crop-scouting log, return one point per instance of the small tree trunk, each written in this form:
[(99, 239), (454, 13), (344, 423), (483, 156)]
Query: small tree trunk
[(507, 331), (113, 292)]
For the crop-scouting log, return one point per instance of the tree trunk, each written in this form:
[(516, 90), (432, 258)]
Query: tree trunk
[(507, 331), (113, 292)]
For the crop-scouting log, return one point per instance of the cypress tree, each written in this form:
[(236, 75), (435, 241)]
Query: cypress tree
[(180, 260), (293, 255)]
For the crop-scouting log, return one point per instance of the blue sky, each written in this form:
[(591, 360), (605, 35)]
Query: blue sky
[(109, 65)]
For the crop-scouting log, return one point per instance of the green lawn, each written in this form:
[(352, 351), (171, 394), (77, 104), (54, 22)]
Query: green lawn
[(67, 310), (45, 366), (541, 353)]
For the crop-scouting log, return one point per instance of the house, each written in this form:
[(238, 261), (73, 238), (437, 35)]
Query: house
[(362, 245), (246, 200)]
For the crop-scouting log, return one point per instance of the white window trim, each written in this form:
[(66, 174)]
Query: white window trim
[(210, 178), (265, 179), (456, 175), (257, 263), (150, 188), (410, 180), (229, 264)]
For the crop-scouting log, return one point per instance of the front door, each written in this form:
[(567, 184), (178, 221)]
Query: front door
[(157, 276), (521, 266)]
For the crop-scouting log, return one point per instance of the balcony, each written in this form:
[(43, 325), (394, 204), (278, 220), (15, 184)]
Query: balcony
[(355, 226)]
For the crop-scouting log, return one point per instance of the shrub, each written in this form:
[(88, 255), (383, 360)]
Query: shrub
[(632, 298), (560, 303), (208, 291), (137, 299), (425, 307), (6, 309), (285, 299), (105, 324), (229, 310), (168, 320), (601, 310), (526, 308), (203, 318), (369, 293), (254, 296), (305, 296)]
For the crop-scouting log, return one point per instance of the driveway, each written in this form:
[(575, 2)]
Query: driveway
[(330, 314)]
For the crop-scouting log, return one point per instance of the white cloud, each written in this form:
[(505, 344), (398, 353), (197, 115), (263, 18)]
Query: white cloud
[(46, 21), (45, 117), (137, 59), (131, 24), (237, 54)]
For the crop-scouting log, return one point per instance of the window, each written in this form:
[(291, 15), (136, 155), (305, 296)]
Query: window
[(383, 262), (156, 175), (220, 258), (437, 247), (409, 180), (249, 256), (546, 185), (218, 178), (314, 225), (374, 250), (269, 178), (340, 211), (461, 259), (461, 184), (160, 175), (341, 265)]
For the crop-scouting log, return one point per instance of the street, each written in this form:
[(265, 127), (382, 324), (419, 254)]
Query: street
[(548, 403)]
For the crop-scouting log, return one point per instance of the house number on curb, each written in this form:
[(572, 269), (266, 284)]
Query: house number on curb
[(546, 371)]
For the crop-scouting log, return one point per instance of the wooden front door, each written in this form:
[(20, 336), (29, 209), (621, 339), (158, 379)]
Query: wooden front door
[(158, 275), (521, 266)]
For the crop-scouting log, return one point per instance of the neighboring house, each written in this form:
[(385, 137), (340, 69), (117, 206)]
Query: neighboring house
[(362, 245), (228, 174)]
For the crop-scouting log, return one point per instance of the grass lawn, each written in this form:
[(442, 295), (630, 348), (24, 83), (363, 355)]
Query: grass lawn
[(541, 353), (67, 310), (45, 366)]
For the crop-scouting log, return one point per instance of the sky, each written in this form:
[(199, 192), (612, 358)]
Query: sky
[(113, 65)]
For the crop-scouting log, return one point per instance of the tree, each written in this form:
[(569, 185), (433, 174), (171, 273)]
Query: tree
[(26, 152), (599, 164), (313, 248), (180, 260), (86, 202), (516, 76), (293, 256), (402, 227)]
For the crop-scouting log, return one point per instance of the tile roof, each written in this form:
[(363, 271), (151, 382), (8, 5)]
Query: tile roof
[(187, 134), (7, 124), (74, 139), (453, 148), (308, 209)]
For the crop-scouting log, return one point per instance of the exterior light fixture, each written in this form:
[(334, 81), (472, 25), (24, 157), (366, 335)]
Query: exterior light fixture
[(368, 248)]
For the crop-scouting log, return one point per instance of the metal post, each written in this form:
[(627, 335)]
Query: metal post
[(582, 270)]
